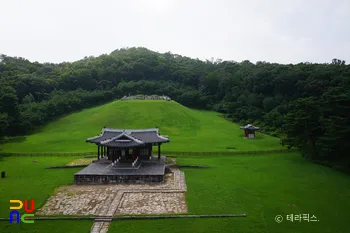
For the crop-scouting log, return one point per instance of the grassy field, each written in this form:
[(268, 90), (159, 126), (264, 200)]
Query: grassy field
[(262, 187), (57, 226), (26, 179), (29, 180), (188, 129)]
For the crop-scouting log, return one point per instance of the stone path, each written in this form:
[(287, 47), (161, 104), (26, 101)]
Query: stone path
[(110, 200), (75, 201), (100, 227), (152, 203)]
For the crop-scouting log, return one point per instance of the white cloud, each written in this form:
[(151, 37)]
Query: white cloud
[(271, 30)]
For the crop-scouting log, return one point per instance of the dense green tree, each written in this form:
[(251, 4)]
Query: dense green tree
[(306, 104), (302, 125)]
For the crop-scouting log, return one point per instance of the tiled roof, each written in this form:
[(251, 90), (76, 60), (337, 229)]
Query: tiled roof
[(136, 137), (122, 143), (249, 126)]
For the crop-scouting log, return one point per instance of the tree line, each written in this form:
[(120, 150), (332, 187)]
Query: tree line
[(305, 104)]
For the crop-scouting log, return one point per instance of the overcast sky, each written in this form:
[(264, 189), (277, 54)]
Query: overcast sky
[(283, 31)]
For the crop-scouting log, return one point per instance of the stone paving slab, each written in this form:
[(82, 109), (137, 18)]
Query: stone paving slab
[(110, 200), (97, 199), (100, 227), (115, 204), (70, 201), (104, 228), (152, 203)]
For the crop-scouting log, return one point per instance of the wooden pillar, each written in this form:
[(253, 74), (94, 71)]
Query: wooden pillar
[(98, 151), (150, 150), (158, 151)]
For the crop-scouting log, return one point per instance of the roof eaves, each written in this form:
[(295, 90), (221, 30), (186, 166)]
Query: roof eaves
[(119, 136), (89, 139)]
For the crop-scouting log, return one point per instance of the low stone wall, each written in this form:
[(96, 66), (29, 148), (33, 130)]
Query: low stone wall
[(147, 97), (117, 179)]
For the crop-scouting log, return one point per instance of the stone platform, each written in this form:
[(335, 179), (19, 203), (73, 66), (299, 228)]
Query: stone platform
[(102, 172), (109, 200)]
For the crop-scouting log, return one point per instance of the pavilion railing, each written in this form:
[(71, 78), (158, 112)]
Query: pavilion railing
[(91, 154)]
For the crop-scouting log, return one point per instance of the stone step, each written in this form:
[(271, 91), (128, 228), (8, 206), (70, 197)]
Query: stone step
[(103, 220)]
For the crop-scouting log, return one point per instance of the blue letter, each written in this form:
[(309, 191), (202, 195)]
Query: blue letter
[(17, 216)]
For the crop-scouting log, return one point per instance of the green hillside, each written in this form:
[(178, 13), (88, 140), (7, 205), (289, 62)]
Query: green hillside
[(188, 129)]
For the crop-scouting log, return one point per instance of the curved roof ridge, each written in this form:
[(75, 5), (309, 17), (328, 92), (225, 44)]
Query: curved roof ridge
[(121, 135), (129, 130)]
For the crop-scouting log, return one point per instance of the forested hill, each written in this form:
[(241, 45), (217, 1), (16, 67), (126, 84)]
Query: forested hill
[(306, 104)]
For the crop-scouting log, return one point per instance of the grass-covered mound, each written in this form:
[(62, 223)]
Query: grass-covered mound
[(188, 129)]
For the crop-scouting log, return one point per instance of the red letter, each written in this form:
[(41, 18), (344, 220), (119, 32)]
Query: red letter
[(26, 206)]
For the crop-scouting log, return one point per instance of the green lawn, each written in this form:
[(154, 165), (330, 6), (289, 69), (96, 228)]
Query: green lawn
[(29, 180), (262, 187), (56, 226), (26, 179), (188, 129)]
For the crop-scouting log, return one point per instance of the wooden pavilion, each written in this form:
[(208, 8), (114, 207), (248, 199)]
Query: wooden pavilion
[(127, 144), (249, 130), (125, 156)]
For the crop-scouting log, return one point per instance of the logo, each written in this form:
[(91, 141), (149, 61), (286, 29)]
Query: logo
[(279, 218), (19, 206)]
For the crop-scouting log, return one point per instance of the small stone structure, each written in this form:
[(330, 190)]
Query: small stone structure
[(146, 97), (249, 130)]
